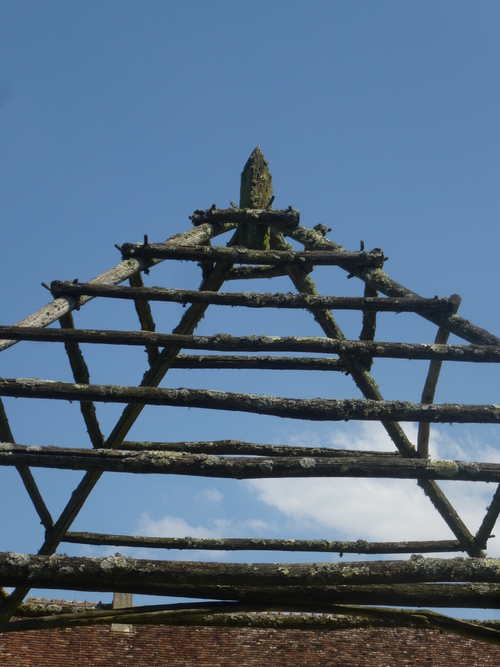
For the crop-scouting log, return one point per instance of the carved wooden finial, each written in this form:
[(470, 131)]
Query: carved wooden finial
[(256, 182), (255, 192)]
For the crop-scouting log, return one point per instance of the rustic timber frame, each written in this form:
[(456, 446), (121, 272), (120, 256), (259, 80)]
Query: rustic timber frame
[(233, 593)]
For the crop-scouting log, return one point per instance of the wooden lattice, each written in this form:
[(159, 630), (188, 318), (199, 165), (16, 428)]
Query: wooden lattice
[(339, 593)]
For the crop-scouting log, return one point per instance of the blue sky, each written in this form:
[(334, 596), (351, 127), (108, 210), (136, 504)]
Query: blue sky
[(118, 119)]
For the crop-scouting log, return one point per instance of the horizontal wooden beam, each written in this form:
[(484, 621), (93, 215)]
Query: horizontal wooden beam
[(314, 409), (241, 448), (227, 343), (62, 571), (269, 217), (370, 582), (241, 255), (263, 363), (249, 299), (233, 467), (264, 544)]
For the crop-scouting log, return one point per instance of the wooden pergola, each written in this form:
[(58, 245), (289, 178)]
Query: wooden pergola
[(330, 594)]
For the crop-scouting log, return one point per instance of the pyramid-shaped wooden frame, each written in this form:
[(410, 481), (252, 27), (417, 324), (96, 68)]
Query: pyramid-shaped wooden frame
[(236, 593)]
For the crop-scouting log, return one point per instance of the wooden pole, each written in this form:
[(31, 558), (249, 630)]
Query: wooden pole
[(226, 343), (250, 300), (313, 409), (264, 544), (232, 467)]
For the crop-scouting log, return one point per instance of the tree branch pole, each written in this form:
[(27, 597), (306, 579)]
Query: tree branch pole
[(264, 363), (290, 584), (98, 574), (238, 447), (489, 520), (227, 343), (369, 325), (242, 255), (250, 215), (264, 544), (249, 299), (27, 477), (143, 310), (313, 409), (208, 465), (428, 393), (81, 375)]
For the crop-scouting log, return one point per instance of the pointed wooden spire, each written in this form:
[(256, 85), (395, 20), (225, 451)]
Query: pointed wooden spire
[(256, 182), (255, 192)]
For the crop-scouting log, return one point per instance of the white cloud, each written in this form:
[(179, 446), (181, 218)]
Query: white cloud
[(212, 496), (173, 526), (170, 526)]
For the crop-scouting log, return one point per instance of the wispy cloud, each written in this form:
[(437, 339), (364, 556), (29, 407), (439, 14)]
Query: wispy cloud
[(212, 496), (171, 526), (174, 526)]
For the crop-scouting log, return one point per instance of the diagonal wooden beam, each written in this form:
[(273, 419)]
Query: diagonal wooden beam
[(26, 475), (145, 315), (369, 324), (82, 376), (490, 518), (428, 392)]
